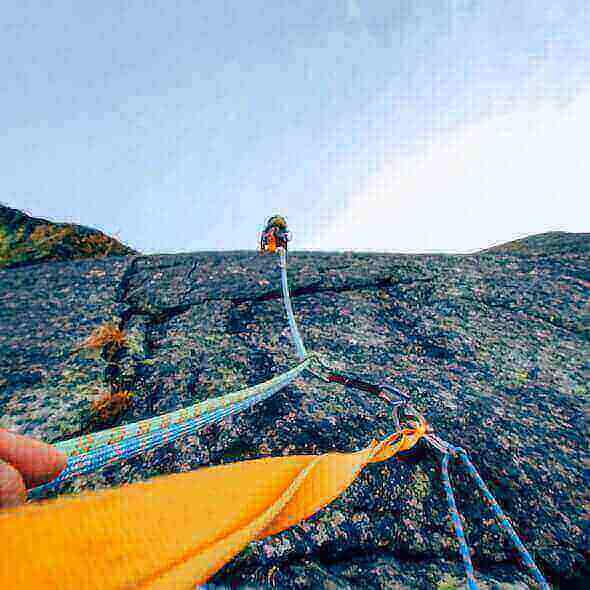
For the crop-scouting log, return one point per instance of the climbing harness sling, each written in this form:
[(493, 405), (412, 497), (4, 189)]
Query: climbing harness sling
[(172, 532)]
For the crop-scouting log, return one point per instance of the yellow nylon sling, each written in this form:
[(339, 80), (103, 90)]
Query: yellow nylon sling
[(174, 531)]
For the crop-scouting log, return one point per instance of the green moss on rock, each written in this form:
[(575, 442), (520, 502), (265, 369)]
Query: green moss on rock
[(26, 240)]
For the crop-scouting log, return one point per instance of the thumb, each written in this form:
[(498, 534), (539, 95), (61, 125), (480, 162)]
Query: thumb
[(12, 486), (27, 462)]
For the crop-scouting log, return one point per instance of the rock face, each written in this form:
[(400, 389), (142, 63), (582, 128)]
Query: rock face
[(555, 242), (493, 348), (28, 240)]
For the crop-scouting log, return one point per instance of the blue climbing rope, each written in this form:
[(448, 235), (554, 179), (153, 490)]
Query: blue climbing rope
[(92, 452), (503, 520), (456, 520), (447, 451), (114, 451)]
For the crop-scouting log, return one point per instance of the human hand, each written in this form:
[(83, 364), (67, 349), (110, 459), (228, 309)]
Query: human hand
[(25, 463)]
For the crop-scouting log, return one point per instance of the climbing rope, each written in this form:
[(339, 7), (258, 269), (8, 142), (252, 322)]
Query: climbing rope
[(503, 521), (297, 340), (456, 520), (446, 452), (94, 451)]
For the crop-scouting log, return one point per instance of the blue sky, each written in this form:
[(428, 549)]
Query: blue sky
[(181, 126)]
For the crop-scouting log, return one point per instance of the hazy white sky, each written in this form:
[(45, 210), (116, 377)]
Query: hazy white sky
[(372, 125), (508, 176)]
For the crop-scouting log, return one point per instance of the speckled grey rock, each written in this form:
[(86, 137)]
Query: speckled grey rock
[(492, 348)]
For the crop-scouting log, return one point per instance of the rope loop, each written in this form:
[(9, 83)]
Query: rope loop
[(401, 440)]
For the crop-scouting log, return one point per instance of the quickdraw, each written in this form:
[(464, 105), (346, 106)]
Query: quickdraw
[(320, 369)]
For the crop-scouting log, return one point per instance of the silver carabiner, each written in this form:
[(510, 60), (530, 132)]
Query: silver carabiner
[(394, 390)]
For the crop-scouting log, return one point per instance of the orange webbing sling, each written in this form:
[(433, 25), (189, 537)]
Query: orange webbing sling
[(174, 531)]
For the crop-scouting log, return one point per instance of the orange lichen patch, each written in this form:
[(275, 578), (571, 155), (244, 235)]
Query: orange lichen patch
[(45, 234), (111, 405), (39, 233), (95, 244), (104, 335)]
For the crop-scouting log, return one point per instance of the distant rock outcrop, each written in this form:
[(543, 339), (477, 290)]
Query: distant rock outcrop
[(26, 240), (492, 348), (553, 242)]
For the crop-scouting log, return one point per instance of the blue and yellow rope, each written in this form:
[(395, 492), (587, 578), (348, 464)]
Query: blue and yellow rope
[(97, 450)]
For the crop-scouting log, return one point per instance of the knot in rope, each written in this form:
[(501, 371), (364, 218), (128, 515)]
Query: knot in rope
[(399, 441)]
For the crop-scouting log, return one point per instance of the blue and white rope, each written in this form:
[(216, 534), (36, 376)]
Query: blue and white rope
[(296, 336), (498, 513), (101, 456)]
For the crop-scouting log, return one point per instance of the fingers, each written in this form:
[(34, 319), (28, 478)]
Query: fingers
[(12, 486), (36, 461)]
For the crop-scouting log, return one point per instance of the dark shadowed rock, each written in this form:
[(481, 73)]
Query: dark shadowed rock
[(492, 348), (26, 240)]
